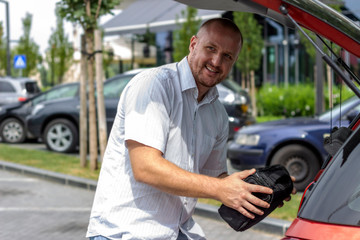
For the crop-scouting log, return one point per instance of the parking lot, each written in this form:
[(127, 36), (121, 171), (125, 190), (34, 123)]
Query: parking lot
[(34, 208)]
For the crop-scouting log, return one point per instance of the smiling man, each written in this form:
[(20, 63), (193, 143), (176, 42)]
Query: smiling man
[(167, 147)]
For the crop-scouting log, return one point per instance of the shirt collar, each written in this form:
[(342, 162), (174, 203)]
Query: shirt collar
[(187, 82)]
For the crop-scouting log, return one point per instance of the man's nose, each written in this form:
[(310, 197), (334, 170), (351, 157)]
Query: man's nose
[(217, 60)]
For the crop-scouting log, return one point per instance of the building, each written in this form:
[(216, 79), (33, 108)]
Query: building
[(285, 59)]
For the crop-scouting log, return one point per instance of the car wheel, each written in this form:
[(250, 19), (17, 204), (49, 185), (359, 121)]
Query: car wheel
[(61, 135), (12, 131), (301, 163)]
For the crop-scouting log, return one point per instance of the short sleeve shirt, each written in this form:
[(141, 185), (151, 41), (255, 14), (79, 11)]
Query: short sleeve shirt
[(158, 108)]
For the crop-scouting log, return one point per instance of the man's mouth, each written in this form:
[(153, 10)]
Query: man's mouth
[(211, 69)]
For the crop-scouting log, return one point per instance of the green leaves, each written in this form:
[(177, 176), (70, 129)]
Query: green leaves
[(183, 35), (250, 55)]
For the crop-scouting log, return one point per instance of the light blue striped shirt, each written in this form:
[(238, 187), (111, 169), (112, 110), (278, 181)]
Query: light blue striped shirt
[(158, 108)]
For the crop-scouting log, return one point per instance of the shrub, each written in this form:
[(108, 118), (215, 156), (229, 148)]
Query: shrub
[(294, 100)]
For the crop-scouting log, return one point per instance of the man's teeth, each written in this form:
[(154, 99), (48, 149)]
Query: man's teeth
[(210, 69)]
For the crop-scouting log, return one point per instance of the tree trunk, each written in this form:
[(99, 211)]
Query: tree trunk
[(92, 108), (252, 92), (100, 95), (83, 107), (243, 80)]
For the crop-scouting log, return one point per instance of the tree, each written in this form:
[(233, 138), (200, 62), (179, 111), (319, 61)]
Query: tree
[(28, 47), (3, 61), (60, 51), (86, 13), (250, 56), (183, 35)]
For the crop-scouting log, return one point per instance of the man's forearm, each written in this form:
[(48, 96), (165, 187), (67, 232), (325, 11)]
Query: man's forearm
[(151, 168)]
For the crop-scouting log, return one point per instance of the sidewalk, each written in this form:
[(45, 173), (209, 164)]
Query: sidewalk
[(270, 225)]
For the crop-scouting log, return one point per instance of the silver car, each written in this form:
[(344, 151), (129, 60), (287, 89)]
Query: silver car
[(13, 90)]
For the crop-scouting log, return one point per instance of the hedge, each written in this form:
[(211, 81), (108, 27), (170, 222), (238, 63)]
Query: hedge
[(294, 100)]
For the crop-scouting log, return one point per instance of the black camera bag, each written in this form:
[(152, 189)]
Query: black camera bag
[(275, 177)]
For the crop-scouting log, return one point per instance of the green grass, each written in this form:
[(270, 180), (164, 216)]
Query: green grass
[(51, 161), (70, 165)]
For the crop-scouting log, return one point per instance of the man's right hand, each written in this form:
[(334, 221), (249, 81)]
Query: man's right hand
[(237, 194)]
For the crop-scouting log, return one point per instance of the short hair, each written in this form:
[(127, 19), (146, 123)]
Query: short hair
[(224, 22)]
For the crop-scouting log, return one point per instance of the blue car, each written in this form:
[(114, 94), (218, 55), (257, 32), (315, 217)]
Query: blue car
[(296, 143)]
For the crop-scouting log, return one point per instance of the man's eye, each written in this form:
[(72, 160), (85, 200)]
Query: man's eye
[(228, 56), (211, 49)]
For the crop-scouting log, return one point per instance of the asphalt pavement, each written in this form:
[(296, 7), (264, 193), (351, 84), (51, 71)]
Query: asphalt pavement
[(33, 207), (62, 210)]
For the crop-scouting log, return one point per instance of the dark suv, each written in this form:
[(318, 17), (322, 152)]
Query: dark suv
[(13, 115), (14, 90)]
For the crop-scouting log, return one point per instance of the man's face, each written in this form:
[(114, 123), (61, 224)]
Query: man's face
[(212, 55)]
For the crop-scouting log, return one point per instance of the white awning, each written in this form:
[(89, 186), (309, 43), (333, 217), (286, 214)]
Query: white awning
[(155, 15)]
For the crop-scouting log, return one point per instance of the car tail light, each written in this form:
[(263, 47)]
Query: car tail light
[(304, 194), (21, 99), (356, 125), (237, 129)]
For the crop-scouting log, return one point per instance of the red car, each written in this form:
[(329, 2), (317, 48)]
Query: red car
[(330, 208)]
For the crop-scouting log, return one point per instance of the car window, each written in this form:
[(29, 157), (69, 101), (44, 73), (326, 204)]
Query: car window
[(336, 196), (6, 87), (32, 87), (232, 85), (64, 91), (114, 88)]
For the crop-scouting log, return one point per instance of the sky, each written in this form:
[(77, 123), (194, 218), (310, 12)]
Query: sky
[(44, 19)]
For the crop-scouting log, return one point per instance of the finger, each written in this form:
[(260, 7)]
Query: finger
[(244, 212), (246, 173), (288, 198), (259, 189), (251, 208), (258, 202)]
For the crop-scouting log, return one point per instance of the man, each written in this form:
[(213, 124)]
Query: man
[(167, 147)]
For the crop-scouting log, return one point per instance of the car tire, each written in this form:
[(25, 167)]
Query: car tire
[(301, 163), (61, 135), (12, 131)]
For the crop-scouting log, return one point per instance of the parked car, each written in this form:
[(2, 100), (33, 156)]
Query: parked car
[(13, 90), (57, 122), (13, 116), (296, 143), (330, 208)]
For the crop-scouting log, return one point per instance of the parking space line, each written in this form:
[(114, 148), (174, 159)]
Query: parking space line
[(18, 180), (45, 209)]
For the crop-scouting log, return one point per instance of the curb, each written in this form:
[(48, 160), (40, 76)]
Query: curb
[(269, 225)]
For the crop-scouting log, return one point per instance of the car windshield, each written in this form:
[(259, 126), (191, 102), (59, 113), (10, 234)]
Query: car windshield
[(63, 91), (335, 198), (232, 85), (342, 107), (114, 88)]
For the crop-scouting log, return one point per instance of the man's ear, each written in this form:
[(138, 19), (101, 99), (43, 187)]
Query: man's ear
[(193, 41)]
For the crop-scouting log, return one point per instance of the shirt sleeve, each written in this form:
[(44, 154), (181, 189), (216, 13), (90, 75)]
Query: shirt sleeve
[(147, 111)]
